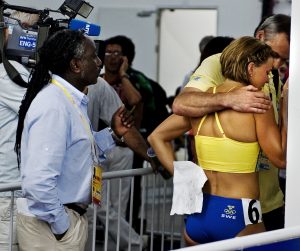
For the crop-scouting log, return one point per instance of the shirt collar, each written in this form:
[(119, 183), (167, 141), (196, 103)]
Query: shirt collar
[(78, 95)]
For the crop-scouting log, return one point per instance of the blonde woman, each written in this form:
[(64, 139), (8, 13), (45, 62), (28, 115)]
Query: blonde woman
[(227, 145)]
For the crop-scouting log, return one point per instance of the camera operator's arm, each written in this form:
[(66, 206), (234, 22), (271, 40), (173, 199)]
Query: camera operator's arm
[(12, 94)]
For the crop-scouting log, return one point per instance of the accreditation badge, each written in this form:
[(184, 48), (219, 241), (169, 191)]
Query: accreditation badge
[(97, 184), (262, 162)]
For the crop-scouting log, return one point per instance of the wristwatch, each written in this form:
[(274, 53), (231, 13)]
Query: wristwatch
[(116, 138)]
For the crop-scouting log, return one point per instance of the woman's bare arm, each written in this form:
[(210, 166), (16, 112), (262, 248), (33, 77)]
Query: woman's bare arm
[(270, 138), (160, 139)]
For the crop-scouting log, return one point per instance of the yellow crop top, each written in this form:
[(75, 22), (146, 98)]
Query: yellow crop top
[(225, 154)]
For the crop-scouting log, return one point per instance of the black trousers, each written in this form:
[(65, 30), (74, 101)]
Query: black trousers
[(274, 219)]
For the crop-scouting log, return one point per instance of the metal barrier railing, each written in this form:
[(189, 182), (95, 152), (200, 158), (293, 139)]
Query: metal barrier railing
[(164, 231), (155, 207), (261, 241)]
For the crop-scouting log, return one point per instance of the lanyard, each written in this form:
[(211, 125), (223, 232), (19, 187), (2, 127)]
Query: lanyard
[(85, 123)]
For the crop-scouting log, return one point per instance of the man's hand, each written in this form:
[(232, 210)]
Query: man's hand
[(124, 66), (248, 99), (122, 121), (58, 237)]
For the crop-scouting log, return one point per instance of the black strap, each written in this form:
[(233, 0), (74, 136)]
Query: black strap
[(76, 208), (13, 74), (276, 80)]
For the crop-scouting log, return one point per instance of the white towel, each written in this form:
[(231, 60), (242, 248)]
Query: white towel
[(188, 181)]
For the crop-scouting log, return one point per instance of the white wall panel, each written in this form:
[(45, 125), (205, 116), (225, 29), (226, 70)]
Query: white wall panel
[(292, 217)]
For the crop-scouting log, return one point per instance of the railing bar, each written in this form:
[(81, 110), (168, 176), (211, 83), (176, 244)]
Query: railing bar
[(11, 227), (159, 195), (107, 217), (164, 213), (127, 173), (172, 232), (119, 214), (106, 176), (131, 212), (152, 212), (95, 207), (142, 213)]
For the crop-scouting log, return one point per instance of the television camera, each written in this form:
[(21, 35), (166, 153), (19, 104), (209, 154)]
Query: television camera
[(23, 42)]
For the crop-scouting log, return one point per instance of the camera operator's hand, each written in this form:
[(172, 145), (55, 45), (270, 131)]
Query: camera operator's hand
[(123, 67)]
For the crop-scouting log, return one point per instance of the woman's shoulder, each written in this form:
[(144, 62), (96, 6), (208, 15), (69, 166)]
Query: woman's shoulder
[(228, 86)]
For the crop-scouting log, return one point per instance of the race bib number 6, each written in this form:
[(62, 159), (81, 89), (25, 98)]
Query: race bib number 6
[(252, 211)]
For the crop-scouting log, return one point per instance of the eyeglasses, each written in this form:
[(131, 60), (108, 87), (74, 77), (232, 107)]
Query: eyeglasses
[(113, 53)]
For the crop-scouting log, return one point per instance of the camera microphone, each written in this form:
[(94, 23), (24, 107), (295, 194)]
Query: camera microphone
[(89, 28)]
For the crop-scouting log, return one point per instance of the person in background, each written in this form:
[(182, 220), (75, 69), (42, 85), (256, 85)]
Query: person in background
[(151, 104), (154, 97), (204, 41), (56, 147), (154, 111), (121, 158), (103, 102), (193, 101), (282, 172), (214, 46), (202, 44), (11, 95), (228, 155), (116, 66), (284, 75)]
